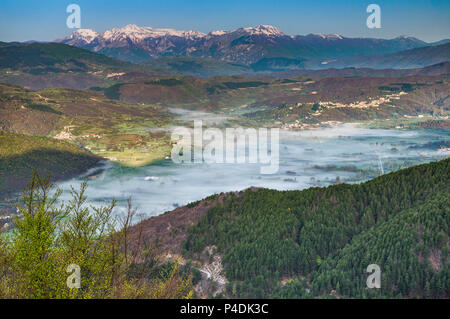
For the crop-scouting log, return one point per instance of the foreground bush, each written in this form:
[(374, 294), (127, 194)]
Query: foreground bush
[(48, 237)]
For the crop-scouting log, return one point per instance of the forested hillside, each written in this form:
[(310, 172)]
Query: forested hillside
[(411, 249), (318, 242), (20, 154)]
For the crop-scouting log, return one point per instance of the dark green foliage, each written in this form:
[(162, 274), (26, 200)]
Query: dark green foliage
[(43, 108), (297, 288), (113, 91), (240, 85), (405, 87), (389, 88), (20, 154), (411, 249), (277, 64), (265, 235), (165, 82), (51, 55)]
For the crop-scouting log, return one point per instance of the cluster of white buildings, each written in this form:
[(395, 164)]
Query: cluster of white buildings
[(371, 102)]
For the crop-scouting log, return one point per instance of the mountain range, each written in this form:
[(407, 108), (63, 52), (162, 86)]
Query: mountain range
[(262, 47)]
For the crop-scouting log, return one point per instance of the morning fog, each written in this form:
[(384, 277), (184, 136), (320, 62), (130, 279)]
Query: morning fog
[(231, 145)]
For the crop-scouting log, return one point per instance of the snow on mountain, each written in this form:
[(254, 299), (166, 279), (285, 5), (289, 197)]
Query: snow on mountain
[(131, 32), (84, 35), (218, 32), (244, 45), (409, 38), (136, 33), (334, 36), (326, 36), (267, 30)]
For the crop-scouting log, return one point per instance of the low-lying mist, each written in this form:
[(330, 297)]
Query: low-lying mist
[(308, 158)]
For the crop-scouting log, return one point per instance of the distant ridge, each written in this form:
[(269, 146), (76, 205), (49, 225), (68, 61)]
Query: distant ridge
[(435, 69), (413, 58), (243, 46)]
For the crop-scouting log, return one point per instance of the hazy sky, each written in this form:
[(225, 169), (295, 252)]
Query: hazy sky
[(22, 20)]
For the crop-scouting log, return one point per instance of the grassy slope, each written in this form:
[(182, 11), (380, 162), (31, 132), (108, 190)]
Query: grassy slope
[(191, 92), (204, 67), (284, 102), (109, 128), (46, 55), (20, 154), (45, 65), (419, 95)]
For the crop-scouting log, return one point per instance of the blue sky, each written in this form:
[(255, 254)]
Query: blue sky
[(22, 20)]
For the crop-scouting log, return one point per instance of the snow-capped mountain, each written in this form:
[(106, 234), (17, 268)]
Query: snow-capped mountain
[(326, 36), (244, 45), (81, 36), (131, 32), (266, 30), (136, 33)]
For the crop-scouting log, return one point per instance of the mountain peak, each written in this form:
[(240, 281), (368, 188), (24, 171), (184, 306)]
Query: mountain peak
[(407, 37), (218, 32), (85, 35), (264, 30), (131, 27)]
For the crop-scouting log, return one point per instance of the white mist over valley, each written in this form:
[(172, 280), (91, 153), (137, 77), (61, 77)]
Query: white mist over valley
[(319, 157)]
